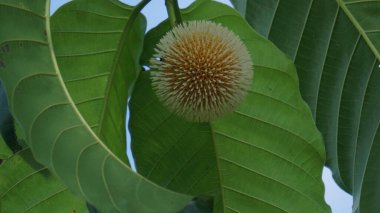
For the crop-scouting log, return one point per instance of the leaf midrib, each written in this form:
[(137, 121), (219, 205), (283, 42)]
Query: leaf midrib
[(111, 70), (97, 141), (221, 187), (362, 32), (66, 92)]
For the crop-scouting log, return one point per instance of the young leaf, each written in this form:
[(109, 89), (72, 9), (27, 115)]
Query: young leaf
[(266, 156), (336, 48), (57, 133)]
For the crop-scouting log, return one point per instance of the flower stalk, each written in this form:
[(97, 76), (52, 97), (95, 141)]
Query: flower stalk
[(174, 12)]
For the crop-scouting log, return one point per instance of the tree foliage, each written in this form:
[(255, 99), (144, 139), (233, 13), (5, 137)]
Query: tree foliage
[(68, 77)]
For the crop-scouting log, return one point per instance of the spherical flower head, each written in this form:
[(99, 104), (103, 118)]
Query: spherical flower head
[(201, 70)]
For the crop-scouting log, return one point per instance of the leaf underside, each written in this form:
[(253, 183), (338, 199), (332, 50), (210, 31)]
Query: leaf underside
[(25, 185), (336, 53), (97, 66), (59, 136), (266, 156)]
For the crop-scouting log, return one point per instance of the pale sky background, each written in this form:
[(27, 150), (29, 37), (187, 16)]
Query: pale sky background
[(155, 12)]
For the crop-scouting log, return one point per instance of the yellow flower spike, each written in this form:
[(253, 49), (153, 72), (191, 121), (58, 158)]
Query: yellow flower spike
[(201, 70)]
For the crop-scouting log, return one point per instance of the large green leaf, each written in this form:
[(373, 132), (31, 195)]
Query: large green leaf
[(267, 156), (26, 186), (98, 64), (335, 46), (56, 131)]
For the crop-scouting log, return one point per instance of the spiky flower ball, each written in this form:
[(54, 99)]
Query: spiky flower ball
[(201, 70)]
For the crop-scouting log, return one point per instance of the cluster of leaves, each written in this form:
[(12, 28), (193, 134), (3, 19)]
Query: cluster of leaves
[(68, 78)]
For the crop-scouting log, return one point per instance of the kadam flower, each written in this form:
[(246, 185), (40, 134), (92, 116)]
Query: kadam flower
[(201, 70)]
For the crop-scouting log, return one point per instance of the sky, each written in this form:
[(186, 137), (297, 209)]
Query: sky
[(155, 11)]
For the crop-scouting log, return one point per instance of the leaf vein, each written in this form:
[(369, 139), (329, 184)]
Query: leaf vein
[(283, 129), (86, 53), (23, 10), (99, 14), (106, 184), (49, 197), (21, 180), (254, 198), (269, 152), (87, 77), (273, 179)]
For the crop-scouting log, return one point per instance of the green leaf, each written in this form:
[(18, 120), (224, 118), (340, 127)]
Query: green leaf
[(98, 63), (267, 156), (57, 133), (335, 46), (26, 186)]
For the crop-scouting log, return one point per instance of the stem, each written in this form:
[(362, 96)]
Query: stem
[(174, 12), (136, 11)]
